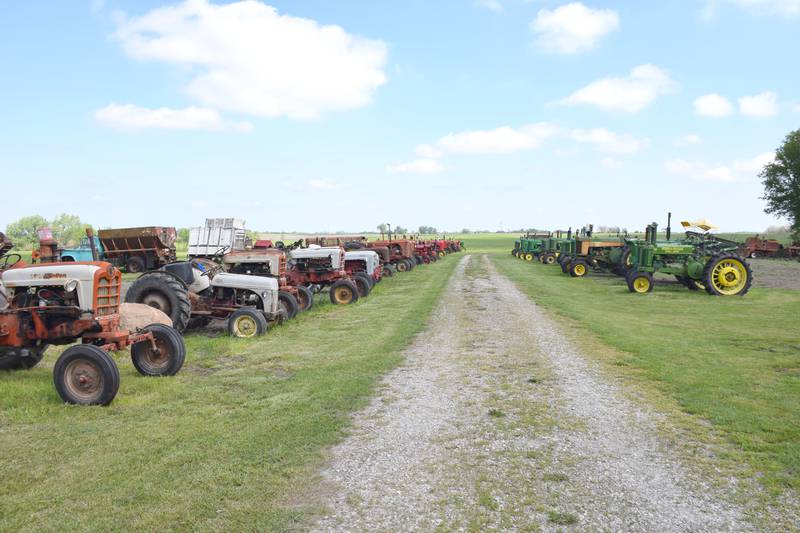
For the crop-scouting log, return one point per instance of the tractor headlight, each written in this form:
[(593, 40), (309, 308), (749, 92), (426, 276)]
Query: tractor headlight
[(71, 285)]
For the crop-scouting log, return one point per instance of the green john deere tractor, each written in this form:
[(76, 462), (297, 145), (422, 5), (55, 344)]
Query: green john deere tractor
[(553, 246), (587, 252), (698, 261)]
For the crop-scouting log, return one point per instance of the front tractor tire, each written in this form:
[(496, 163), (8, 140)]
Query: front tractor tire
[(165, 358), (343, 292), (727, 275), (549, 259), (577, 268), (305, 298), (639, 282), (388, 271), (363, 285), (247, 323), (86, 375), (164, 292), (401, 266), (288, 303)]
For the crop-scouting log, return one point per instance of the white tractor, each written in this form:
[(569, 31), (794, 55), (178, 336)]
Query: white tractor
[(193, 293)]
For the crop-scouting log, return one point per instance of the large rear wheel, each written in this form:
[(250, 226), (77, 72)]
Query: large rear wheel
[(86, 375), (727, 275), (164, 292), (162, 357)]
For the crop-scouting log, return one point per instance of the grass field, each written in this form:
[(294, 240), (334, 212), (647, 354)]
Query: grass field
[(732, 361), (228, 444)]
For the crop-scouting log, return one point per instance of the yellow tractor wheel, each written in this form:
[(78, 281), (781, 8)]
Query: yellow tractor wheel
[(528, 257), (727, 275), (640, 282)]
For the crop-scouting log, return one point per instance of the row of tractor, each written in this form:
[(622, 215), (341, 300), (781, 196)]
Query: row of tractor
[(698, 259), (248, 288)]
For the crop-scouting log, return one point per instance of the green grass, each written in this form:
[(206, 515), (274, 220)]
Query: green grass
[(732, 361), (231, 443)]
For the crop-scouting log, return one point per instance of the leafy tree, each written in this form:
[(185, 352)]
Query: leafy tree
[(427, 230), (183, 238), (68, 230), (23, 232), (383, 228), (466, 231), (781, 180), (400, 230)]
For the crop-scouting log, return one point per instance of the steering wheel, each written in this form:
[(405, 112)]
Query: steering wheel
[(7, 263), (207, 270)]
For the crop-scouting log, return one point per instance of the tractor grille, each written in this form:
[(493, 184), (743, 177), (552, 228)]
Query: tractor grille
[(107, 294)]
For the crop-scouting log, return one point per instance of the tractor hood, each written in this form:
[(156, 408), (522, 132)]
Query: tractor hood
[(334, 252), (257, 284), (371, 258), (48, 275)]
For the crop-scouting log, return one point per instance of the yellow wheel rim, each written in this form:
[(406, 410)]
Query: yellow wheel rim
[(245, 326), (729, 277), (641, 285), (343, 295), (580, 270), (441, 254), (550, 259), (529, 257)]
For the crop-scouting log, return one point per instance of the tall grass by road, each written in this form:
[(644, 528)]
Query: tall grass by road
[(732, 361), (231, 443)]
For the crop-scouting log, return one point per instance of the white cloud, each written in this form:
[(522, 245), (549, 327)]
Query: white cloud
[(688, 140), (713, 105), (610, 142), (738, 170), (246, 57), (418, 166), (322, 184), (573, 28), (610, 163), (504, 140), (129, 117), (630, 94), (491, 5), (761, 105)]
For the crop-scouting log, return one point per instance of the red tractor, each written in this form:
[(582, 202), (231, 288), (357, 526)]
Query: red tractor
[(402, 253), (322, 267), (61, 303)]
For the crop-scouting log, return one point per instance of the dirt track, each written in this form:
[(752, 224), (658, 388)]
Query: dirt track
[(496, 422)]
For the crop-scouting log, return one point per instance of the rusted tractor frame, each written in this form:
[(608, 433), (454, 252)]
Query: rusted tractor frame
[(38, 315)]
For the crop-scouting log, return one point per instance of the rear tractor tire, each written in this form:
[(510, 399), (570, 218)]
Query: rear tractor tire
[(164, 292), (727, 275), (343, 292), (166, 359), (86, 375), (247, 323), (639, 282)]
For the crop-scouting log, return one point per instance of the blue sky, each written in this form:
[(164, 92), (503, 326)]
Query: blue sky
[(321, 116)]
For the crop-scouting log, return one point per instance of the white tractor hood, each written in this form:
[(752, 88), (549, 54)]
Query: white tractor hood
[(257, 284)]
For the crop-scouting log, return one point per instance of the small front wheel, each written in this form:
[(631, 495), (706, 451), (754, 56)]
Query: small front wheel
[(86, 375), (577, 268), (247, 322), (343, 292), (162, 357), (305, 298)]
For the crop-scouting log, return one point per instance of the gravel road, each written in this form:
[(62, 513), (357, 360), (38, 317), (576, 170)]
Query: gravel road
[(495, 421)]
